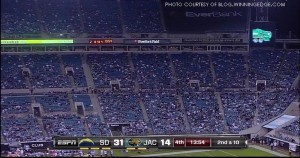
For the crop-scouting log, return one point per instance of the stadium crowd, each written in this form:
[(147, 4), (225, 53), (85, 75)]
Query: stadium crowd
[(107, 67), (239, 110), (271, 104), (71, 19), (164, 103), (230, 70), (19, 18), (290, 133), (15, 105), (143, 16), (166, 116), (46, 71), (201, 108), (85, 99), (96, 127), (203, 113), (107, 15), (54, 103), (74, 61), (20, 129), (164, 113), (192, 66), (153, 71), (11, 72), (64, 125), (293, 128)]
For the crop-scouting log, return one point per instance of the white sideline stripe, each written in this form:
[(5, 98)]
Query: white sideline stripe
[(228, 153), (267, 150), (172, 153)]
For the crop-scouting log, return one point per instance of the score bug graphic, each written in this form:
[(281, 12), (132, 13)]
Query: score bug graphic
[(86, 142), (141, 142), (134, 142)]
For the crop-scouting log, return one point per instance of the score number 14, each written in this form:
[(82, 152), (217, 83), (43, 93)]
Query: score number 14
[(165, 142)]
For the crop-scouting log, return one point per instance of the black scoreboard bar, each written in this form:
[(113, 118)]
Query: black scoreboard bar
[(165, 142)]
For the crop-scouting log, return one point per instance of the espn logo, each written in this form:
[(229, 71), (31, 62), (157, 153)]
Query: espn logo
[(59, 142)]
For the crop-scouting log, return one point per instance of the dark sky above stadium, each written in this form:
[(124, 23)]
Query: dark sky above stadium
[(286, 17)]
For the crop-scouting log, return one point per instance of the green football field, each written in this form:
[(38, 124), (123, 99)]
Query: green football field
[(197, 153), (227, 153)]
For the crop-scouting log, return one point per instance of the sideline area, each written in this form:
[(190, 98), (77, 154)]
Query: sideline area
[(206, 152)]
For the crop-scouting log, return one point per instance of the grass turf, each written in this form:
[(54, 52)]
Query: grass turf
[(213, 153), (228, 153)]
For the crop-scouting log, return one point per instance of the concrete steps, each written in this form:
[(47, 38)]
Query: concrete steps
[(96, 106), (121, 17), (39, 16), (88, 132), (79, 13), (2, 139), (63, 71), (33, 100), (26, 78), (185, 118), (72, 104), (247, 71), (162, 18), (87, 72), (72, 81), (136, 91), (40, 120), (221, 110), (179, 97), (132, 69), (145, 115), (256, 112), (174, 75), (146, 118), (212, 69)]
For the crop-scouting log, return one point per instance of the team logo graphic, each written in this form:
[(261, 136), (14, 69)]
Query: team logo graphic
[(86, 142), (135, 142)]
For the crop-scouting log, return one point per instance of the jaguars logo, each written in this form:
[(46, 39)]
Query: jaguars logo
[(134, 142)]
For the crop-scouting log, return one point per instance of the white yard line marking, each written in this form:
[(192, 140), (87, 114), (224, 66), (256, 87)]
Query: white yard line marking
[(228, 153), (207, 153), (267, 150)]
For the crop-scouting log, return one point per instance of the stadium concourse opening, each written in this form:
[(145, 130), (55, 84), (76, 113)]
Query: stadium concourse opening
[(150, 78)]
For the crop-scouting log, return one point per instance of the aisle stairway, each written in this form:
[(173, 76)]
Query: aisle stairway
[(28, 83), (212, 69), (145, 115), (96, 106), (87, 72), (179, 97), (73, 109), (63, 71), (185, 118), (246, 58), (132, 68), (88, 132), (40, 120), (221, 109)]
